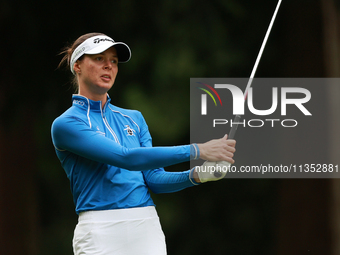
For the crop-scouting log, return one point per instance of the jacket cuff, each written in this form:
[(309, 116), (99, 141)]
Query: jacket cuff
[(191, 177), (194, 152)]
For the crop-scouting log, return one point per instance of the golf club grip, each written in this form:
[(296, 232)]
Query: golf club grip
[(233, 129), (231, 135)]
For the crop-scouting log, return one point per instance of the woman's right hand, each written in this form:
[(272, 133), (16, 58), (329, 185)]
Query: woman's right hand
[(218, 150)]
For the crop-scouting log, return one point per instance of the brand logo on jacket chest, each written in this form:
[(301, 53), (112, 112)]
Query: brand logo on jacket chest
[(129, 131)]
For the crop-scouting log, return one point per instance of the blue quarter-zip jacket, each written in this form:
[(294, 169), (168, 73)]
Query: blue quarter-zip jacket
[(107, 155)]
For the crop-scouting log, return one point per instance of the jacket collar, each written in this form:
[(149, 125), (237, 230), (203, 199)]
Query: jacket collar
[(84, 102)]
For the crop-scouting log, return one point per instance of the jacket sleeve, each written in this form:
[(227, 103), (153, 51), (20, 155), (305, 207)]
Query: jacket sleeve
[(161, 181), (73, 135)]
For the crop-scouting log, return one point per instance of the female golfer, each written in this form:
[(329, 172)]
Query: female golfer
[(107, 154)]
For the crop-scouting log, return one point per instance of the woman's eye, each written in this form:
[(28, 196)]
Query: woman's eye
[(115, 61), (99, 58)]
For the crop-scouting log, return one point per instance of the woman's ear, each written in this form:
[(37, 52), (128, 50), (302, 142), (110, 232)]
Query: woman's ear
[(76, 67)]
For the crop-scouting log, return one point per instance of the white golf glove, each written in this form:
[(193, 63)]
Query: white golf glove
[(212, 171)]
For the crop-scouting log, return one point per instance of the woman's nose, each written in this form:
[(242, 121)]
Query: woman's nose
[(108, 64)]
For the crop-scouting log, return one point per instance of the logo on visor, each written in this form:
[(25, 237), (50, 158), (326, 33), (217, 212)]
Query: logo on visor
[(78, 52), (98, 40)]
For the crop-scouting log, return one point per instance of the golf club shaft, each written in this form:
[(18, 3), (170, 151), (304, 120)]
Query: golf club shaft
[(252, 75), (237, 118)]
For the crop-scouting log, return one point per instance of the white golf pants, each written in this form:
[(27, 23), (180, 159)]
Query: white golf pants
[(135, 231)]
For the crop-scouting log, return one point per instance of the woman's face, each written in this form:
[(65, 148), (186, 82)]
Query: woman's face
[(97, 72)]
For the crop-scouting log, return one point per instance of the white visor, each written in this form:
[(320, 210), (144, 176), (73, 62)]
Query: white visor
[(98, 44)]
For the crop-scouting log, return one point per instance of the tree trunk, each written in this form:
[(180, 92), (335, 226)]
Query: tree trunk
[(332, 62), (304, 225)]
